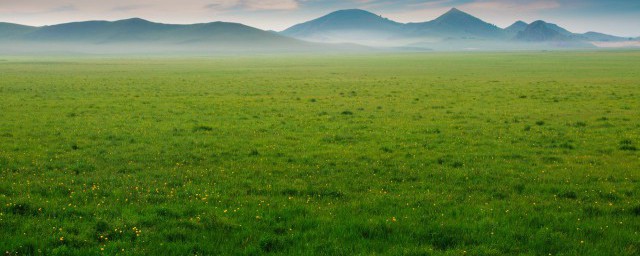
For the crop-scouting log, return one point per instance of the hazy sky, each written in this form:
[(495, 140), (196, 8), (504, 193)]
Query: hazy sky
[(619, 17)]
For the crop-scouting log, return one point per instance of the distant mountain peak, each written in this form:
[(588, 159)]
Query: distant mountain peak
[(516, 27), (454, 13), (539, 31), (458, 18), (353, 14), (352, 11), (456, 23), (518, 23), (538, 23), (134, 21), (343, 20)]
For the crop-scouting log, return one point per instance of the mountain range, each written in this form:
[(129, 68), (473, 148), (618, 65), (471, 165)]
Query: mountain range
[(455, 28), (142, 36), (347, 30)]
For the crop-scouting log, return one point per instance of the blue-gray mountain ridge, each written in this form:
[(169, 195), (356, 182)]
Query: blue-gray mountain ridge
[(453, 30), (454, 25)]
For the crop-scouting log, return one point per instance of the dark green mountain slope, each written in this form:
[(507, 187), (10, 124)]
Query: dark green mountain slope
[(540, 31), (600, 37), (345, 20), (142, 31), (516, 28), (454, 28), (456, 23), (138, 35), (11, 31)]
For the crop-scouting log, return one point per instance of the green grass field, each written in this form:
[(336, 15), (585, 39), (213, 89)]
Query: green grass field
[(443, 154)]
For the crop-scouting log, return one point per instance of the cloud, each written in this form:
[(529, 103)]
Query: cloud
[(504, 5), (40, 6), (64, 8), (271, 4), (219, 5), (127, 8), (253, 5)]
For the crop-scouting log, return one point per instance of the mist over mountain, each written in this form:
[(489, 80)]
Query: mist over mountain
[(516, 28), (10, 31), (454, 30), (600, 37), (142, 36), (344, 30), (455, 23), (139, 30), (540, 31), (363, 27), (348, 26), (553, 35), (345, 20)]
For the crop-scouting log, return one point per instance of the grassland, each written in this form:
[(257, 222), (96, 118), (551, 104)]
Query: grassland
[(443, 154)]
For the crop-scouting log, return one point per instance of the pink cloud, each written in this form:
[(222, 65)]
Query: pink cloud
[(502, 5)]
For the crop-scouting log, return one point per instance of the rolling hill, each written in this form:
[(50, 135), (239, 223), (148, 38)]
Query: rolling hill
[(139, 30), (138, 35), (540, 31), (600, 37), (344, 20), (516, 28), (347, 26), (10, 31), (455, 23)]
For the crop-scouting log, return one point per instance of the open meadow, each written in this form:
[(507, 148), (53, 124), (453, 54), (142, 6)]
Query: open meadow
[(533, 153)]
